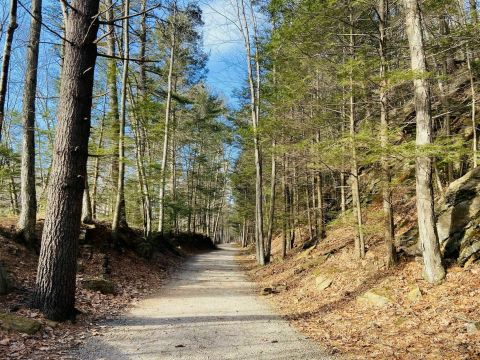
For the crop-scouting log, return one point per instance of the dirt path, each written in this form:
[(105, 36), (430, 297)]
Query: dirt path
[(207, 311)]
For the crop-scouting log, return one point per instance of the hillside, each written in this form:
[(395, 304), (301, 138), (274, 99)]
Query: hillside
[(362, 310)]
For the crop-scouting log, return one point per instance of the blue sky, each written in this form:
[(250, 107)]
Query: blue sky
[(224, 43), (222, 39)]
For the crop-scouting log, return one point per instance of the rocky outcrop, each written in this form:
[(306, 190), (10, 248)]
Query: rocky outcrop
[(458, 218)]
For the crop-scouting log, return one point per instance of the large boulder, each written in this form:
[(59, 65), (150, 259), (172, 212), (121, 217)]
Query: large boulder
[(19, 323), (458, 218)]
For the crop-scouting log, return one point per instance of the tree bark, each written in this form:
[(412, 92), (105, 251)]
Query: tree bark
[(28, 214), (96, 171), (119, 215), (161, 216), (114, 118), (286, 212), (255, 112), (4, 283), (357, 206), (389, 230), (433, 270), (7, 51), (87, 216), (271, 217), (55, 284)]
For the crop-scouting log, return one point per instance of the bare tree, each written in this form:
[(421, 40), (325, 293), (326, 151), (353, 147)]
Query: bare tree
[(384, 123), (12, 26), (168, 105), (253, 70), (433, 270), (28, 214), (119, 216), (357, 205), (55, 284)]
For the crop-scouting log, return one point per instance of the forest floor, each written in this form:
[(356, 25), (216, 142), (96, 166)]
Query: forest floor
[(135, 278), (366, 311), (208, 310)]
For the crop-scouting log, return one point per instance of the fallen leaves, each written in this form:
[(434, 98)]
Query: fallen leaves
[(428, 328), (54, 340)]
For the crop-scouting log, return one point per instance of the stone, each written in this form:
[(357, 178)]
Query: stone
[(414, 294), (51, 323), (101, 285), (266, 291), (378, 297), (458, 218), (19, 323), (472, 327), (323, 282)]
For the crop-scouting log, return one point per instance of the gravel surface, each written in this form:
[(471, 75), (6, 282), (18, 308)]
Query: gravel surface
[(208, 310)]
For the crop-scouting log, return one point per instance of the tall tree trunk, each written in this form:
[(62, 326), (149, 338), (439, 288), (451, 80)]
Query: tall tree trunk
[(87, 216), (55, 284), (286, 212), (271, 217), (389, 230), (12, 26), (473, 11), (114, 118), (4, 282), (433, 270), (28, 214), (254, 108), (357, 206), (163, 180), (96, 169), (119, 215), (320, 203)]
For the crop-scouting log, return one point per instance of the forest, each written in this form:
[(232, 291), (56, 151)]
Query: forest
[(341, 160)]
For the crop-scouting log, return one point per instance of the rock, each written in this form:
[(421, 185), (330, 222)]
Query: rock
[(414, 294), (266, 291), (51, 323), (377, 297), (458, 217), (472, 327), (19, 323), (97, 284), (322, 282)]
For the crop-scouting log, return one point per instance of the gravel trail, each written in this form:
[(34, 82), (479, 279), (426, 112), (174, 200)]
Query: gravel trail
[(208, 310)]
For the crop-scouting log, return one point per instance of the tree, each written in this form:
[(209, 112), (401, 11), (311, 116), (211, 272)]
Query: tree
[(253, 72), (12, 26), (4, 283), (55, 284), (433, 270), (119, 216), (28, 214), (384, 125), (173, 45)]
